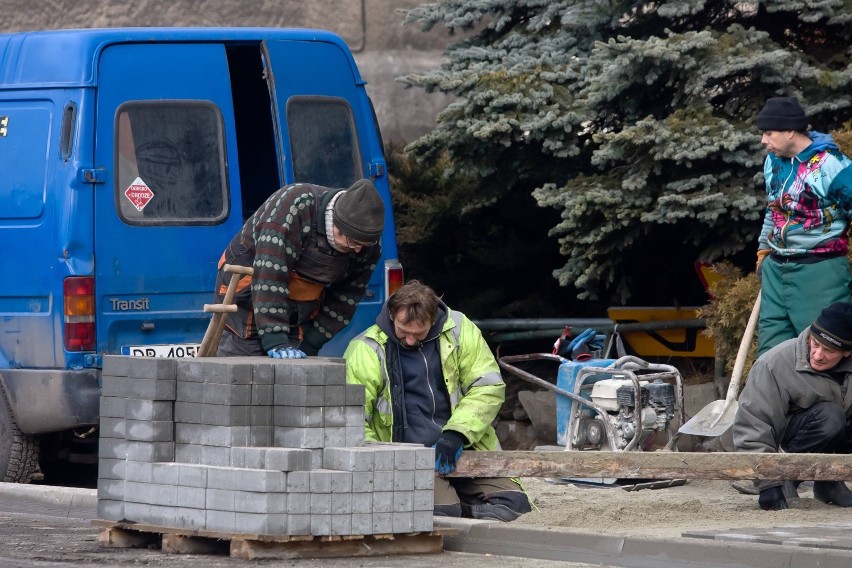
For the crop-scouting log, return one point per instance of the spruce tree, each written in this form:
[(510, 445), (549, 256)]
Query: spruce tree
[(634, 120)]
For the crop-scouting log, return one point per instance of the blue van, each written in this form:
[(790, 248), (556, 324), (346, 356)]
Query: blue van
[(129, 159)]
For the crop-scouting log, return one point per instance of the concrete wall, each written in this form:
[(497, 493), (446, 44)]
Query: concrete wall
[(384, 49)]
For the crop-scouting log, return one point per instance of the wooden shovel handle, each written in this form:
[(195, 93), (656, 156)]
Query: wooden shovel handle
[(739, 363)]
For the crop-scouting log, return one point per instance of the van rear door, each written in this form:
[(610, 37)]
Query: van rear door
[(327, 136), (163, 213)]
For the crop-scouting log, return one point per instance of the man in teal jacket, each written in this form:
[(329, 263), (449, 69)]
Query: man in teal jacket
[(431, 379), (805, 228)]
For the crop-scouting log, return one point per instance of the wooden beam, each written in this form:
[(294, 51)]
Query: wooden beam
[(655, 465)]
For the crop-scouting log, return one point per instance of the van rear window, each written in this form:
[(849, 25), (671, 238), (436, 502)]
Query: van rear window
[(323, 141), (170, 159)]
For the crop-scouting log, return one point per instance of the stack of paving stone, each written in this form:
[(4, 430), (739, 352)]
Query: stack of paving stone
[(252, 446)]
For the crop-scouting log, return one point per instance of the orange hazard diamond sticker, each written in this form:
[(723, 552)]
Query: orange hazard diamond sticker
[(139, 194)]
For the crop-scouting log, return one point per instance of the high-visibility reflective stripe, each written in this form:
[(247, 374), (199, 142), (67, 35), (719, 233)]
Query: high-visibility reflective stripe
[(486, 380), (383, 404)]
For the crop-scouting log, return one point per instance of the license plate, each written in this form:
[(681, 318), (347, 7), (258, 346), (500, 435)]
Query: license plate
[(176, 350)]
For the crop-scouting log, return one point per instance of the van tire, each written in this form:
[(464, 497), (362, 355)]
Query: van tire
[(18, 451)]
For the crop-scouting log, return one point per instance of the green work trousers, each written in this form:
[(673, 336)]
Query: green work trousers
[(793, 295)]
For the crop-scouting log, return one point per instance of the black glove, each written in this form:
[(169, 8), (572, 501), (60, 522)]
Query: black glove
[(772, 499), (448, 448)]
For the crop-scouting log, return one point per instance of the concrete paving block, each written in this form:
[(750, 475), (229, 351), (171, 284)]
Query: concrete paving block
[(131, 387), (299, 524), (403, 522), (112, 448), (166, 473), (162, 494), (335, 373), (188, 453), (298, 437), (190, 518), (334, 417), (111, 489), (341, 524), (354, 416), (238, 456), (110, 510), (225, 521), (403, 501), (287, 459), (382, 523), (150, 451), (383, 456), (361, 502), (266, 480), (316, 457), (362, 481), (260, 415), (254, 523), (220, 499), (334, 437), (149, 430), (424, 479), (139, 471), (299, 482), (260, 502), (155, 368), (192, 497), (240, 436), (219, 477), (215, 371), (216, 456), (362, 523), (191, 475), (383, 480), (423, 500), (113, 428), (403, 480), (300, 373), (137, 512), (112, 407), (261, 435), (355, 436), (320, 480), (383, 502), (298, 395), (249, 457), (424, 458), (299, 503), (423, 521), (341, 503), (263, 373), (110, 468), (335, 395), (355, 395), (188, 412), (226, 394), (341, 481), (114, 365), (320, 524), (404, 457), (321, 503), (143, 409), (186, 391), (262, 395), (348, 459), (299, 416)]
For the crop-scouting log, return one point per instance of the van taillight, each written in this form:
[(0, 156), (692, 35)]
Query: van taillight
[(394, 277), (79, 299)]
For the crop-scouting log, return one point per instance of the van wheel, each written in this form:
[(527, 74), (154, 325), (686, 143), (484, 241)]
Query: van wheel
[(18, 451)]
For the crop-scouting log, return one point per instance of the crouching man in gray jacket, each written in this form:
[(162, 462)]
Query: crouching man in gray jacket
[(796, 399)]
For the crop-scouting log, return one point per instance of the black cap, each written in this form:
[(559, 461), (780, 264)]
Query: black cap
[(782, 113), (833, 327), (359, 213)]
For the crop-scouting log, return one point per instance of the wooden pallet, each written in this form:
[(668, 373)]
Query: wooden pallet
[(250, 546)]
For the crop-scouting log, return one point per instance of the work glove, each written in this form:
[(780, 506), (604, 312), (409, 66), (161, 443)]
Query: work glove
[(772, 499), (286, 353), (761, 256), (448, 449)]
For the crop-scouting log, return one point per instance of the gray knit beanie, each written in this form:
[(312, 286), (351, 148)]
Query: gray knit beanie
[(833, 327), (359, 212), (782, 114)]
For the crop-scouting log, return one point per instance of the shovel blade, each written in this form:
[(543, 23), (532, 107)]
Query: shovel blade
[(710, 420)]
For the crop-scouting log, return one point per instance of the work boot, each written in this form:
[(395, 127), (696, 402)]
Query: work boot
[(834, 492), (493, 512), (790, 490), (746, 487)]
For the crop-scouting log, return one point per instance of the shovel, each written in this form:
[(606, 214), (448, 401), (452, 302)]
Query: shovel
[(715, 418)]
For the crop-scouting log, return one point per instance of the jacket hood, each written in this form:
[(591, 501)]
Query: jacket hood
[(819, 141), (386, 325)]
